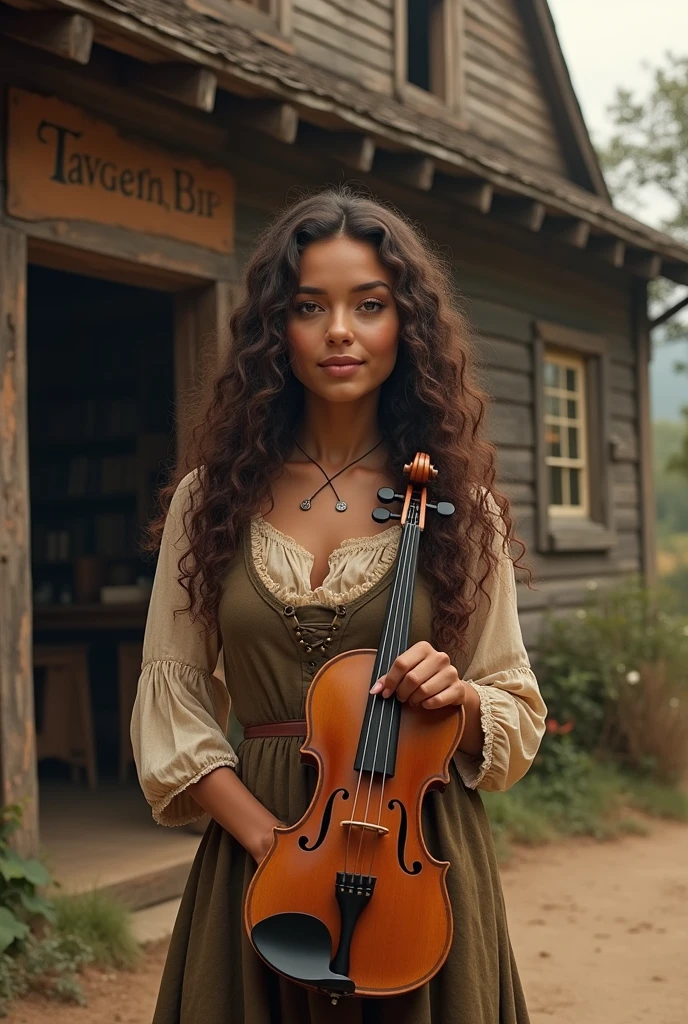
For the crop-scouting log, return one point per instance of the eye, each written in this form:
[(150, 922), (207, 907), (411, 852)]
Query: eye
[(372, 305), (307, 307)]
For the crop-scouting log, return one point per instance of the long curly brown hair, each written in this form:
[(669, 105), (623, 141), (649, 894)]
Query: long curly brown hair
[(429, 403)]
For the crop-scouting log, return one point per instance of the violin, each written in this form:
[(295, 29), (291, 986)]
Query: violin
[(349, 901)]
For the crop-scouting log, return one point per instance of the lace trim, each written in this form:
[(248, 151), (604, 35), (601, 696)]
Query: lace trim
[(487, 721), (260, 528), (158, 809)]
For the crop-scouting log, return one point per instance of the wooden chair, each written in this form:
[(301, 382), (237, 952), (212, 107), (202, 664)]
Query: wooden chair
[(129, 658), (66, 723)]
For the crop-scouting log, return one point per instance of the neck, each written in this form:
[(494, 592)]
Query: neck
[(336, 433)]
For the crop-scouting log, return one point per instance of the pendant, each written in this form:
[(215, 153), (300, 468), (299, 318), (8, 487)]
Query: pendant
[(341, 506), (305, 504)]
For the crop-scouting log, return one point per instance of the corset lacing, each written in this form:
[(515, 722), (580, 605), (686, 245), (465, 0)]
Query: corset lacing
[(308, 634)]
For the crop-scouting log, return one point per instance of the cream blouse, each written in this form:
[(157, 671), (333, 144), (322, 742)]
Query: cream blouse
[(179, 721)]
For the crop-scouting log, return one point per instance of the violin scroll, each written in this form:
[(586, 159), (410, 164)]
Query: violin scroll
[(419, 472)]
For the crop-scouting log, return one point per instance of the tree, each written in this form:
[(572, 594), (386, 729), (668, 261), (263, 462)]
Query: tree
[(648, 154)]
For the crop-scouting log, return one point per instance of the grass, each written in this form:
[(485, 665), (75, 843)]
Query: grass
[(101, 923), (604, 804)]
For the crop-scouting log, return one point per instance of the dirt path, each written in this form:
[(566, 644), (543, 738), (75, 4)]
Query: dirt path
[(600, 933)]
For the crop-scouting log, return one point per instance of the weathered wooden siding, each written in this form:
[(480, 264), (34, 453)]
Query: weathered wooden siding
[(353, 38), (505, 353), (504, 97)]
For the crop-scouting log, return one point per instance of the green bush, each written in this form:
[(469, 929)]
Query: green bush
[(101, 923), (614, 675), (44, 943)]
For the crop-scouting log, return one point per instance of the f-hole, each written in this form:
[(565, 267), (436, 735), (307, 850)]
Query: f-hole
[(401, 840), (325, 824)]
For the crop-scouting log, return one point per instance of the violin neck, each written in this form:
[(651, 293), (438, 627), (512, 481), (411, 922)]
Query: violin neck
[(394, 638)]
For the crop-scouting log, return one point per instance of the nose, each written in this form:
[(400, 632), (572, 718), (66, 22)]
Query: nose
[(339, 329)]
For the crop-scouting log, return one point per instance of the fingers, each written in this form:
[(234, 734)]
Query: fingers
[(422, 675)]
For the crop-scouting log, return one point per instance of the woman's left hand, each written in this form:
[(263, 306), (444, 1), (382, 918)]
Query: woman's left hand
[(422, 675)]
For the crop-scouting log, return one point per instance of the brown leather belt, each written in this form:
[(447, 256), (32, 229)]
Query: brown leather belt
[(296, 727)]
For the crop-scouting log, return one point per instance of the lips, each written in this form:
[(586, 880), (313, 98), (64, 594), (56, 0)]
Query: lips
[(340, 361)]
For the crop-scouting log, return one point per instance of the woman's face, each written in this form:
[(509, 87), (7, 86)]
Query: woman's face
[(343, 324)]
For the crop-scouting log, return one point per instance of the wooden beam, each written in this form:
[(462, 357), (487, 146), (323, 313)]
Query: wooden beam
[(278, 120), (611, 250), (66, 35), (18, 781), (668, 313), (647, 265), (527, 213), (568, 229), (193, 86), (411, 169), (473, 192), (641, 330), (677, 272), (352, 149)]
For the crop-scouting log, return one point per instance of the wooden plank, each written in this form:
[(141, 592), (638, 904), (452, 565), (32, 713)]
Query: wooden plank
[(527, 213), (69, 36), (515, 466), (370, 48), (624, 441), (377, 13), (526, 99), (352, 149), (340, 64), (150, 887), (622, 405), (510, 425), (502, 95), (621, 377), (506, 355), (481, 23), (505, 385), (647, 265), (18, 780), (647, 495), (278, 120), (191, 86), (488, 121), (201, 335), (502, 321), (471, 192), (413, 170), (611, 250), (567, 229), (626, 495)]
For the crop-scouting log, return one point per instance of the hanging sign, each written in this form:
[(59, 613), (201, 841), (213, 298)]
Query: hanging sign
[(65, 164)]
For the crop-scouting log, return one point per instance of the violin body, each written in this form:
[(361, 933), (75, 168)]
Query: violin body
[(403, 934), (349, 901)]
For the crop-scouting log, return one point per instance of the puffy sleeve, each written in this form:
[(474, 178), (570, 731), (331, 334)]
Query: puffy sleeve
[(512, 710), (181, 710)]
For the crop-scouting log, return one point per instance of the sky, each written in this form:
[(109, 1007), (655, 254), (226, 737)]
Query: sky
[(606, 44)]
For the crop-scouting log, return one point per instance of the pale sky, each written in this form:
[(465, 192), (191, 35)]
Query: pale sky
[(606, 43)]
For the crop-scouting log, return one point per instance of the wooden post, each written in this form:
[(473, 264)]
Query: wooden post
[(201, 333), (647, 492), (18, 778)]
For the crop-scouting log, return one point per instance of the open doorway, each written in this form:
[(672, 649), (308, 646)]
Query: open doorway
[(101, 400)]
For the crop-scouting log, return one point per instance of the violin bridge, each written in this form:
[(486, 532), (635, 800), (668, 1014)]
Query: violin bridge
[(369, 825)]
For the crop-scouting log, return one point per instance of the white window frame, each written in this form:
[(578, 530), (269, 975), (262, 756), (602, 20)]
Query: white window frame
[(569, 361)]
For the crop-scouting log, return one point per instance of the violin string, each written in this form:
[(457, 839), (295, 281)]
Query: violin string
[(382, 660), (395, 705), (394, 642)]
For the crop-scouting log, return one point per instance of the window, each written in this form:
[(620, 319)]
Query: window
[(428, 35), (424, 49), (573, 446), (565, 434)]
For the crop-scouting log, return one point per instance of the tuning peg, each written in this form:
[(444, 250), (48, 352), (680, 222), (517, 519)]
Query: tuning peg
[(388, 494), (382, 515), (443, 508)]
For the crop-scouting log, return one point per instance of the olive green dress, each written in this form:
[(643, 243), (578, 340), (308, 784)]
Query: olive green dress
[(212, 974)]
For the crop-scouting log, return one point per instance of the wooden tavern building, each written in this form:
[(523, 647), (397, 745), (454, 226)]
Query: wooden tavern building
[(144, 144)]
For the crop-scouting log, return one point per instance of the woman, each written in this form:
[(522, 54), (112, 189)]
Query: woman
[(346, 358)]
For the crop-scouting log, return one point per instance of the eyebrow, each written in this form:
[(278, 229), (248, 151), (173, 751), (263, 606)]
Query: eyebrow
[(368, 286)]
